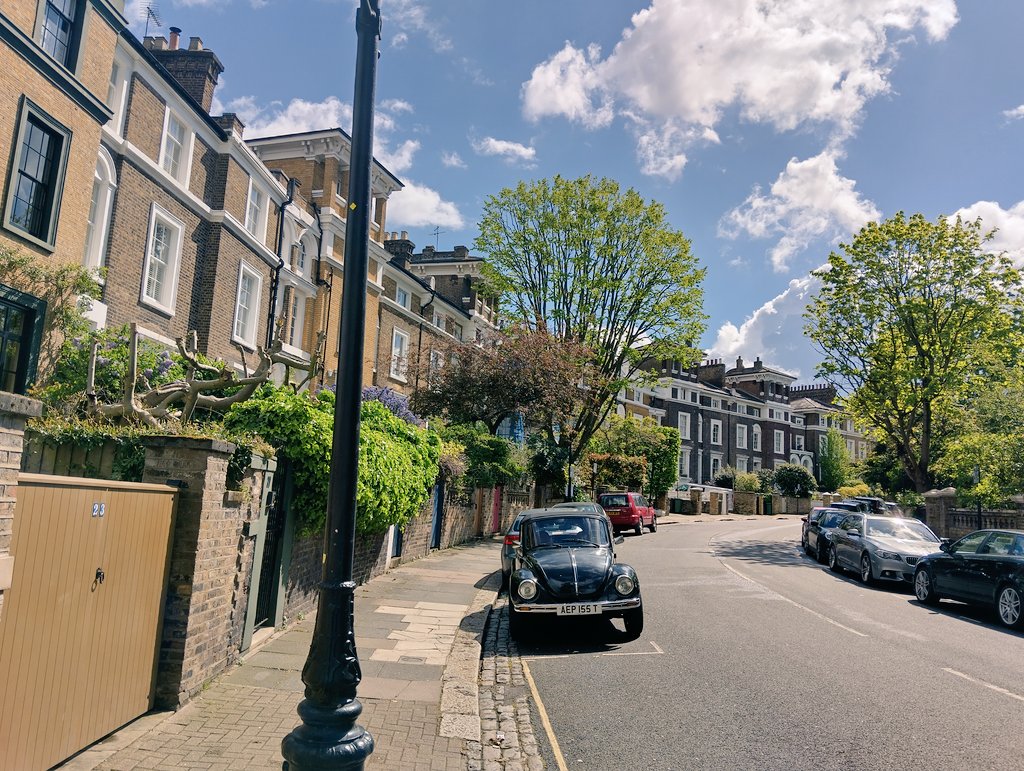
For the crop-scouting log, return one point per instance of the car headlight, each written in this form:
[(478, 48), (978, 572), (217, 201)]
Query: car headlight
[(888, 555), (527, 589), (625, 585)]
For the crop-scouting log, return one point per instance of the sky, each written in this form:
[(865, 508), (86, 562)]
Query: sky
[(771, 130)]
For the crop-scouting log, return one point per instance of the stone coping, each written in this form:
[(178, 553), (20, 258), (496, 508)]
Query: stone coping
[(20, 405)]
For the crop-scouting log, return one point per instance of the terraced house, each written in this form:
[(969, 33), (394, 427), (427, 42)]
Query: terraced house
[(54, 102)]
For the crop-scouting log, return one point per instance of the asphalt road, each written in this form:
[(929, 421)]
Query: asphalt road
[(755, 657)]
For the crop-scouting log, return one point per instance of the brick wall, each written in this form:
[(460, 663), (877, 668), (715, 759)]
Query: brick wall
[(144, 121), (416, 535), (14, 412), (303, 577)]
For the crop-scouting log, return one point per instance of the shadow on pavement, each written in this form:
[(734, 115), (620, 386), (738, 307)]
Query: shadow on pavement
[(578, 636), (764, 552), (972, 614)]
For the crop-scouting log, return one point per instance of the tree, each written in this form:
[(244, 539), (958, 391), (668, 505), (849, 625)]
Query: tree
[(909, 316), (794, 481), (597, 267), (659, 444), (834, 461), (527, 371)]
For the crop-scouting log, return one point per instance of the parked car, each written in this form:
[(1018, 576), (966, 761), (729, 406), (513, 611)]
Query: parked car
[(880, 547), (565, 568), (985, 567), (510, 543), (819, 528), (875, 505), (581, 506), (629, 511), (849, 505)]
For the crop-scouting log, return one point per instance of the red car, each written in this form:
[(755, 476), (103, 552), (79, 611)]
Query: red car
[(629, 511)]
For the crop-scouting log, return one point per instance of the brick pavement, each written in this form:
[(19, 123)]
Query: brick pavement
[(418, 631)]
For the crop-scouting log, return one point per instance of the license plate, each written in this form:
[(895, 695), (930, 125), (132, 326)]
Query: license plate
[(579, 609)]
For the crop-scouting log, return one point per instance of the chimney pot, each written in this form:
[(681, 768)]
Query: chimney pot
[(175, 34), (405, 235), (195, 44)]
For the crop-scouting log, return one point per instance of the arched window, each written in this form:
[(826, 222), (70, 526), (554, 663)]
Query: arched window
[(98, 225), (755, 439)]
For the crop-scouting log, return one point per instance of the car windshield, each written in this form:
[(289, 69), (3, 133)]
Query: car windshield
[(905, 529), (614, 500), (566, 531)]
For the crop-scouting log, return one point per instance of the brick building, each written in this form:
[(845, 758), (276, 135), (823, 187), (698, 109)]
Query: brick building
[(194, 231), (747, 417), (54, 84)]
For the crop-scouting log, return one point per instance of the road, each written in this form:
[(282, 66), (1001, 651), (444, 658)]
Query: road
[(755, 657)]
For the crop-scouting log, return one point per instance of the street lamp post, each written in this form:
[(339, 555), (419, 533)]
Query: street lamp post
[(329, 737)]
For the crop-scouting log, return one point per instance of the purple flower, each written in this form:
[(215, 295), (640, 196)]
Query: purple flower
[(148, 373), (395, 402)]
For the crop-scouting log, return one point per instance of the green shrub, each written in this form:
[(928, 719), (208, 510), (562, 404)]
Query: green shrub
[(747, 483), (794, 481), (490, 460), (854, 487), (726, 477)]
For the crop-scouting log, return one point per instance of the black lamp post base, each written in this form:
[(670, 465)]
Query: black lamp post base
[(322, 741)]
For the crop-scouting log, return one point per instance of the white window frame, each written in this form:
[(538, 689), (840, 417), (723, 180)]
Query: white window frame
[(166, 303), (104, 184), (716, 432), (755, 439), (184, 171), (399, 355), (248, 338), (716, 465), (798, 442), (756, 465), (402, 297), (780, 442), (117, 95), (716, 404), (438, 320), (436, 360), (741, 436), (684, 425), (684, 463), (257, 227), (741, 464)]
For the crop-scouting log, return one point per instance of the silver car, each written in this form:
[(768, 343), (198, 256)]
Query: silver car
[(880, 547)]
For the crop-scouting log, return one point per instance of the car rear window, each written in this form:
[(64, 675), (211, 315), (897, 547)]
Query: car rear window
[(614, 500)]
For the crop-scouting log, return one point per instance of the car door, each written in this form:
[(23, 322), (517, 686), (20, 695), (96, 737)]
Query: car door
[(950, 575), (983, 570), (647, 509), (846, 541)]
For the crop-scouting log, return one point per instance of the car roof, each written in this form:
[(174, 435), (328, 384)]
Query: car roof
[(564, 512)]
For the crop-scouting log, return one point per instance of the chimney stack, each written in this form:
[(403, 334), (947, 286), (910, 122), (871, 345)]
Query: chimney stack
[(739, 362), (196, 69)]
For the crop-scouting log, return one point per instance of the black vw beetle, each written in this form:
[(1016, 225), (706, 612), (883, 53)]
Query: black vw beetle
[(565, 568)]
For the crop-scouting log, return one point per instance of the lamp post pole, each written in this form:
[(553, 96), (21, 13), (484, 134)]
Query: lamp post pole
[(329, 737)]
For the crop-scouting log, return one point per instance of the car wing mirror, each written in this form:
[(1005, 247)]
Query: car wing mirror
[(944, 545)]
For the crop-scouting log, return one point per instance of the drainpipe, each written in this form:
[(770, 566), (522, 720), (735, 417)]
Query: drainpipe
[(419, 340), (275, 280), (320, 281)]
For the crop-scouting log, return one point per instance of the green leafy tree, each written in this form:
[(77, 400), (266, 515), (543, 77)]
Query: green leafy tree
[(643, 438), (398, 461), (910, 315), (834, 461), (794, 481), (599, 267), (766, 480), (608, 471), (491, 460)]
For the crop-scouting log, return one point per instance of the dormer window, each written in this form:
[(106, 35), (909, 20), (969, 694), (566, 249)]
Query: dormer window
[(402, 297)]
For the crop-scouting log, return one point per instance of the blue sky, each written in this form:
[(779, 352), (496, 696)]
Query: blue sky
[(770, 129)]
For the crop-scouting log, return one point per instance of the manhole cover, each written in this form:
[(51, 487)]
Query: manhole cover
[(411, 659)]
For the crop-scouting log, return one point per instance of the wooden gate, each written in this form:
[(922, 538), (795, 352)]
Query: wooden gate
[(80, 625)]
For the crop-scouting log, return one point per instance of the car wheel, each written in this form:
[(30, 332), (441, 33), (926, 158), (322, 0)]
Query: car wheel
[(639, 529), (833, 560), (654, 523), (866, 576), (1008, 607), (924, 589), (634, 622), (516, 623)]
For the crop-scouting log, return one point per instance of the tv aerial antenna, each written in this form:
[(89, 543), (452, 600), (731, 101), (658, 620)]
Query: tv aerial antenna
[(435, 233), (152, 15)]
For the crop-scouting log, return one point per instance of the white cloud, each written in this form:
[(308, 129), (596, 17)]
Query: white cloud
[(399, 159), (299, 115), (1008, 224), (412, 16), (396, 105), (453, 160), (779, 62), (809, 200), (1015, 114), (774, 332), (399, 40), (511, 151), (565, 85), (419, 206)]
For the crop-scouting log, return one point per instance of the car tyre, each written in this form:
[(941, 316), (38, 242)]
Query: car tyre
[(639, 529), (634, 623), (654, 523), (924, 588), (516, 624), (833, 560), (1008, 607), (866, 574)]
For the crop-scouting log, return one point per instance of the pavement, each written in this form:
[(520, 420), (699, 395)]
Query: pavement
[(443, 686)]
